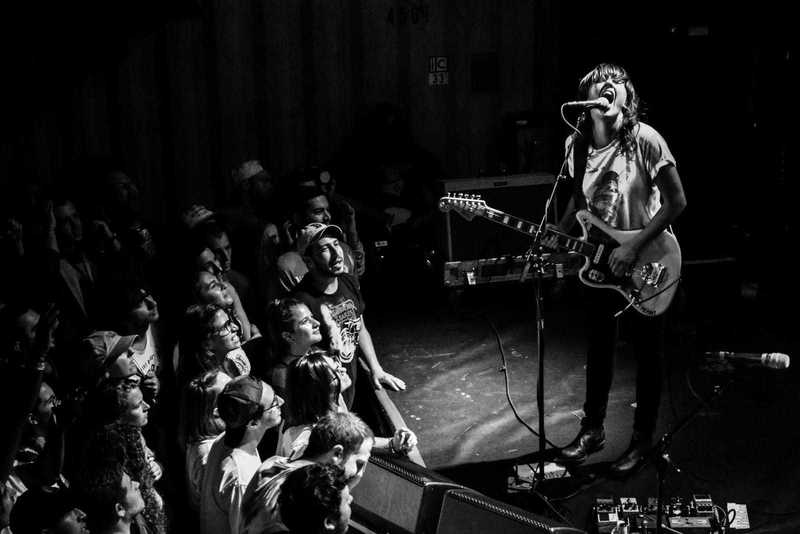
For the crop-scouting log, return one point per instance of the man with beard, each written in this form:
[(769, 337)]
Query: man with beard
[(327, 284)]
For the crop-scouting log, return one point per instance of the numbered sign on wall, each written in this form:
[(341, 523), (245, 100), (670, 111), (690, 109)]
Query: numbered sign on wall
[(437, 70)]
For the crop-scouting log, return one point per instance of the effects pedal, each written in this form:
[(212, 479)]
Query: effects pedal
[(626, 515), (606, 514)]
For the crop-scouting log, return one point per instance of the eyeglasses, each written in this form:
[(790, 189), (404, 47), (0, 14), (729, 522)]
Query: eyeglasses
[(277, 402), (230, 327), (259, 412)]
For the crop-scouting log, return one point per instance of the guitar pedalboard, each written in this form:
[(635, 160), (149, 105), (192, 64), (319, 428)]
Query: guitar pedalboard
[(628, 516)]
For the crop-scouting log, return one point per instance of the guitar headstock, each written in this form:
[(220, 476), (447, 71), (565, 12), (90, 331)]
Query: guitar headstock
[(466, 205)]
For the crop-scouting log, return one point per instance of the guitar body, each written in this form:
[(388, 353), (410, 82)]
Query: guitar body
[(653, 279), (650, 284)]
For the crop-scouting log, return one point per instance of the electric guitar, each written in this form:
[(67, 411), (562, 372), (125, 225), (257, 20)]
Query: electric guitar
[(649, 285)]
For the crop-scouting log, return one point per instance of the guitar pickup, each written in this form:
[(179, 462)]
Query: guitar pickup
[(653, 273)]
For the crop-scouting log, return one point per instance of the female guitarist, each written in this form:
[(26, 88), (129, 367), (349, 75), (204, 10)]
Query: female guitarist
[(625, 175)]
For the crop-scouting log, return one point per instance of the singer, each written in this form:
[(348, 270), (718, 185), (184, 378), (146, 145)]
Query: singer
[(626, 175)]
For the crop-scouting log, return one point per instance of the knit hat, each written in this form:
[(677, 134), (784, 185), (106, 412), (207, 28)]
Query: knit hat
[(313, 232), (240, 401)]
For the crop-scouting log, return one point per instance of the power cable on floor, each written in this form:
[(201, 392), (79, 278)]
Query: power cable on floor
[(504, 370)]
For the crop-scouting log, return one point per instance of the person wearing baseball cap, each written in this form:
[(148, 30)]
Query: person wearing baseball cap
[(249, 407), (106, 355), (309, 207), (335, 300)]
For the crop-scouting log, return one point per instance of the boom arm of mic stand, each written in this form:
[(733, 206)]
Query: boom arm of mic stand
[(660, 452)]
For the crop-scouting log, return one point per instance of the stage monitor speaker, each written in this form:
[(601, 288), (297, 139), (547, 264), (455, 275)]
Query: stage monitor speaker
[(470, 512), (521, 195), (398, 497)]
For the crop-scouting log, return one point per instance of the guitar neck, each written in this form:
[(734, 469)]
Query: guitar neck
[(564, 241)]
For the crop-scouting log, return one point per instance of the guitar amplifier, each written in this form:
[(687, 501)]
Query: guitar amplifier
[(507, 269), (523, 195)]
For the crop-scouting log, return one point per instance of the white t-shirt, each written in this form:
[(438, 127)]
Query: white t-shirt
[(146, 360), (293, 441), (620, 189), (196, 459), (260, 512), (228, 471)]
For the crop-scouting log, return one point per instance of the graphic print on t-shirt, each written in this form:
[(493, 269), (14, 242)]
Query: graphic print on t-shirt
[(346, 316), (606, 198)]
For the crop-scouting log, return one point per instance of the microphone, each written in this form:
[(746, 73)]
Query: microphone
[(772, 360), (603, 103)]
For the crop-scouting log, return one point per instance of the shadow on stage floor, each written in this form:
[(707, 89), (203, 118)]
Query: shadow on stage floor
[(446, 346)]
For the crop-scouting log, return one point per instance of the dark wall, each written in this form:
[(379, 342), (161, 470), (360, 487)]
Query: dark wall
[(183, 96)]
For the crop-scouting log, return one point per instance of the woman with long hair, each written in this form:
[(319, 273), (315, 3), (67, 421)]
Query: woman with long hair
[(293, 332), (626, 176), (211, 340), (118, 412), (200, 425), (316, 383)]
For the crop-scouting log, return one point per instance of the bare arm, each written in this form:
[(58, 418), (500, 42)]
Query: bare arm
[(673, 202), (378, 374)]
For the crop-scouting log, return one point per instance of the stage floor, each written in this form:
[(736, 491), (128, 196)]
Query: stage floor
[(742, 449)]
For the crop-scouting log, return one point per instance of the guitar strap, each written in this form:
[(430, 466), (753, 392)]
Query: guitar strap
[(579, 154)]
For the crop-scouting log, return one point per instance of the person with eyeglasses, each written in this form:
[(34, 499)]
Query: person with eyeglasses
[(211, 339), (249, 407)]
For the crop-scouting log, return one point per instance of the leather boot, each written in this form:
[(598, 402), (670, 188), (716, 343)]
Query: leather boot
[(587, 441), (634, 456)]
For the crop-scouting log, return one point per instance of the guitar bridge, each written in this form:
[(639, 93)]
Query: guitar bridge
[(653, 273)]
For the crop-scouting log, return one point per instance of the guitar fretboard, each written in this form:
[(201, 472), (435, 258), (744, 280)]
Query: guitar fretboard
[(565, 242)]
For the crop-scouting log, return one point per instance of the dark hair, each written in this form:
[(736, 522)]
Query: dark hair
[(279, 320), (101, 490), (118, 295), (300, 194), (313, 389), (198, 320), (107, 403), (123, 444), (9, 328), (199, 399), (630, 110), (39, 509), (212, 227), (337, 428), (309, 495)]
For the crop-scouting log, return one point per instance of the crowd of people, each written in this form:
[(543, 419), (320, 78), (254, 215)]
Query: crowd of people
[(198, 377)]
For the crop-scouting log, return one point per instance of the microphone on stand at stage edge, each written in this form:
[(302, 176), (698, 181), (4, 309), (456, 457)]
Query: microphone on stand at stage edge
[(771, 360)]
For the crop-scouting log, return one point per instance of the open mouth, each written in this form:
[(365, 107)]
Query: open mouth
[(609, 94)]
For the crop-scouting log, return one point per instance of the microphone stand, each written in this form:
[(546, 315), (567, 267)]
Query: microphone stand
[(533, 260)]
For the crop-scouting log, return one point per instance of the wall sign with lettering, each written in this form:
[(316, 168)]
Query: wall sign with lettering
[(437, 71)]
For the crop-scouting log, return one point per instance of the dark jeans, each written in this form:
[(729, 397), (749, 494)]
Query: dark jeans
[(646, 335)]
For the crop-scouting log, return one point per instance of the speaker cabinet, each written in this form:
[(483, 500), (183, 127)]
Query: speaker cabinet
[(398, 497), (470, 512), (521, 195)]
